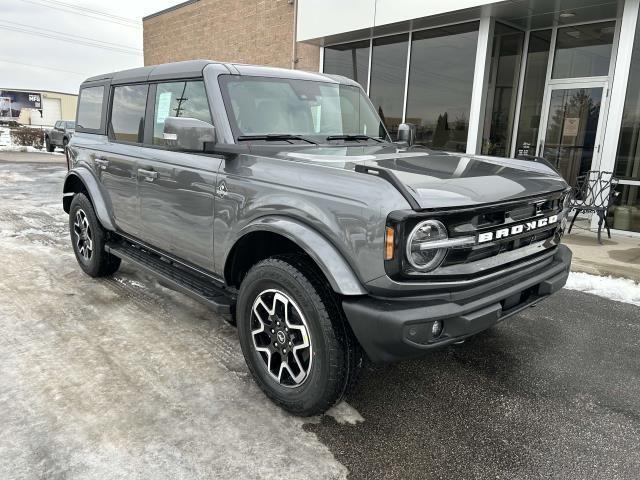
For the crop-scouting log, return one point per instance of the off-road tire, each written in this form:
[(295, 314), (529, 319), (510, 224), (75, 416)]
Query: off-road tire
[(100, 263), (50, 146), (336, 355)]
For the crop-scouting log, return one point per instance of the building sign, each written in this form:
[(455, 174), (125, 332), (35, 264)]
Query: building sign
[(12, 103), (571, 127)]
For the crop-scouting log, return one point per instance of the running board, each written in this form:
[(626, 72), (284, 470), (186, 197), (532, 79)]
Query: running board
[(192, 284)]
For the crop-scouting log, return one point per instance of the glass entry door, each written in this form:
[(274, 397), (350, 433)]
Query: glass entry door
[(570, 133)]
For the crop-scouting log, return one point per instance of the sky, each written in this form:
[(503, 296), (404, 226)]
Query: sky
[(56, 44)]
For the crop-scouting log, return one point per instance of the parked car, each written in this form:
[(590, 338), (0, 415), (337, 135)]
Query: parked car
[(59, 135), (278, 198)]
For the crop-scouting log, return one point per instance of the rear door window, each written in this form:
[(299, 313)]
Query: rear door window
[(90, 108), (179, 99), (127, 113)]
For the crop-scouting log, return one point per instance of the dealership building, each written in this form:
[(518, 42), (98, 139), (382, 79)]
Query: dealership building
[(36, 107), (558, 79)]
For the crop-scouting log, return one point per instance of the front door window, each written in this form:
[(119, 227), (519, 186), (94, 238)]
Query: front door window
[(570, 142)]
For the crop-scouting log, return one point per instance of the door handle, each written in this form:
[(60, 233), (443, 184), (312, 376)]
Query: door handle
[(149, 175), (101, 162)]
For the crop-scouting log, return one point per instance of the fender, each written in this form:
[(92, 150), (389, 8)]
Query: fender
[(96, 196), (341, 276)]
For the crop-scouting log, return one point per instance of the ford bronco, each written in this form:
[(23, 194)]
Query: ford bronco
[(278, 198)]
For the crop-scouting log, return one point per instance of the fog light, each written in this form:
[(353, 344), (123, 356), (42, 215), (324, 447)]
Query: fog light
[(436, 328)]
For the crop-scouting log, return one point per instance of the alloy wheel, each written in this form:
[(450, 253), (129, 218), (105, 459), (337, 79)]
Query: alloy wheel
[(281, 337), (84, 236)]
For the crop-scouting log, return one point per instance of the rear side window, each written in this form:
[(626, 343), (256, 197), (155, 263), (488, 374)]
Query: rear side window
[(90, 108), (179, 99), (127, 113)]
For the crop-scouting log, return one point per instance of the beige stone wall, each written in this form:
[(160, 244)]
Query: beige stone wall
[(242, 31)]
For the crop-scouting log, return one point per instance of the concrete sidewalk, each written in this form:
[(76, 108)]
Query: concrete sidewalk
[(618, 257)]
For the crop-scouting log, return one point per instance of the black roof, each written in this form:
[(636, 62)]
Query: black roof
[(194, 68), (187, 69)]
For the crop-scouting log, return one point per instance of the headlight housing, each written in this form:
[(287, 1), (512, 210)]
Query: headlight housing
[(424, 245)]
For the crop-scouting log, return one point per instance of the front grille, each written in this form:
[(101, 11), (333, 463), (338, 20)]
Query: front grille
[(473, 254), (485, 256), (493, 218)]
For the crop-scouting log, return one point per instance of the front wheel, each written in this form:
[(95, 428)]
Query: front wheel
[(294, 336), (50, 147), (89, 238)]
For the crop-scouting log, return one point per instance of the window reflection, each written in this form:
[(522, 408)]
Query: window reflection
[(388, 73), (628, 159), (626, 213), (502, 90), (571, 130), (583, 50), (350, 60), (533, 92), (440, 84)]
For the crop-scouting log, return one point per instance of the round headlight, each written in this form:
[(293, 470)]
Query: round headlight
[(420, 255)]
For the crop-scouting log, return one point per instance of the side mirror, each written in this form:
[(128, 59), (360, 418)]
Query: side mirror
[(183, 133), (407, 133)]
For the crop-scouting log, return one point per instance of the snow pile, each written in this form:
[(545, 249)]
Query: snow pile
[(344, 413), (20, 148), (5, 136), (619, 289)]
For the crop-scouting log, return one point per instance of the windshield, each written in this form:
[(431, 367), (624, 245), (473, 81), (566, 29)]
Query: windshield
[(280, 106)]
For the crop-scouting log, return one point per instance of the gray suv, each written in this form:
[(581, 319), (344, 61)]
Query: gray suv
[(59, 135), (278, 198)]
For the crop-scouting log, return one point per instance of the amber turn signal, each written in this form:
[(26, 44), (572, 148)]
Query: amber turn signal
[(389, 241)]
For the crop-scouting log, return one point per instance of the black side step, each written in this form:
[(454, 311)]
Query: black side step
[(192, 284)]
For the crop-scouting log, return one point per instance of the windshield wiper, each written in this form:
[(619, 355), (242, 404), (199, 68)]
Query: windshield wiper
[(353, 137), (270, 137)]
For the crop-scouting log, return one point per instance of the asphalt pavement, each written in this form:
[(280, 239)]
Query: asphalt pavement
[(123, 378)]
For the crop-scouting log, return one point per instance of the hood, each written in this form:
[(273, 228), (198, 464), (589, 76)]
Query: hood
[(438, 180)]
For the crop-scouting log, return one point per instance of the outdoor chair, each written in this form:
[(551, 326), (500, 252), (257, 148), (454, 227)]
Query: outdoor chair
[(594, 193)]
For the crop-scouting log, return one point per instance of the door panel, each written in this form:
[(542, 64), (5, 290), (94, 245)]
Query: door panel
[(118, 174), (176, 203), (571, 135)]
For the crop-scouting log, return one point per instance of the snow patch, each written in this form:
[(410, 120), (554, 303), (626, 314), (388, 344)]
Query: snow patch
[(13, 177), (344, 413), (128, 281), (619, 289), (29, 149)]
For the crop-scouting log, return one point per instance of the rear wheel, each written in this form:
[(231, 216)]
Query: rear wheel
[(88, 239), (293, 335)]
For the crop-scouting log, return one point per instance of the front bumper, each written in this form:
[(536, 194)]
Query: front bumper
[(391, 329)]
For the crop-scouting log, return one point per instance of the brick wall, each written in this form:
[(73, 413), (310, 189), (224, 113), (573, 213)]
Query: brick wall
[(242, 31)]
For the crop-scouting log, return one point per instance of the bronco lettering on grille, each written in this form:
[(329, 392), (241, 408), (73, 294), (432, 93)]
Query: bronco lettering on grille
[(517, 229)]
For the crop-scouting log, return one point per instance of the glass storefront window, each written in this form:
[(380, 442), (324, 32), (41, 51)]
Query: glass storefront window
[(440, 83), (583, 50), (626, 212), (628, 158), (533, 92), (388, 72), (502, 90), (350, 60)]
